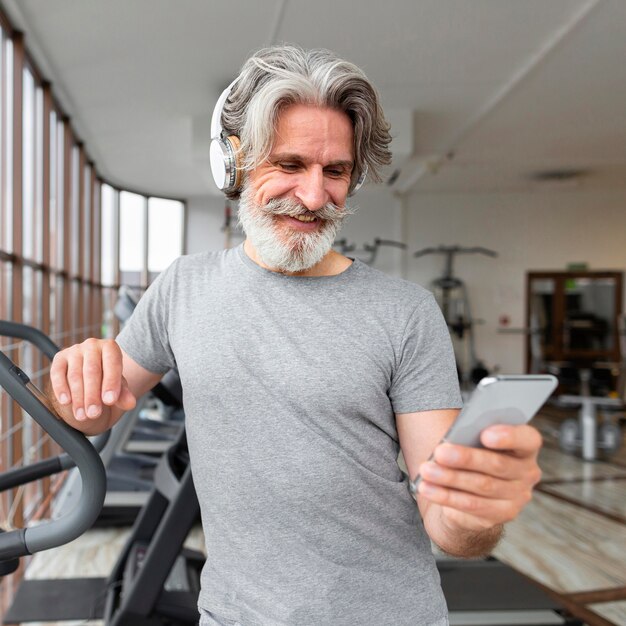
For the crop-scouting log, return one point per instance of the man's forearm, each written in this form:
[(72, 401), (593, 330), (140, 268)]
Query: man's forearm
[(457, 541)]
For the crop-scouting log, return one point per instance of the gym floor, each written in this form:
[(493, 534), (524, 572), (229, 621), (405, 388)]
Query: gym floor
[(571, 538)]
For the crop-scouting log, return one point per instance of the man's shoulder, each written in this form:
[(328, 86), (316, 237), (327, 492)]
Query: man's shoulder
[(189, 274), (393, 287), (210, 260)]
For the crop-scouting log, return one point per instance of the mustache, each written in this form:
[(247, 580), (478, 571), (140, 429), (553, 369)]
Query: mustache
[(293, 208)]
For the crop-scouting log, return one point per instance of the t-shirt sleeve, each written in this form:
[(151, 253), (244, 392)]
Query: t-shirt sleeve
[(425, 378), (145, 337)]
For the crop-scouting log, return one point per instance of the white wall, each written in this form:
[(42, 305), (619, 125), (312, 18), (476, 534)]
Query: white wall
[(205, 219), (378, 214), (530, 231)]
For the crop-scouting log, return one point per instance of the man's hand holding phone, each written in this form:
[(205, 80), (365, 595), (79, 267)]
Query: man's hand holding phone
[(484, 470), (480, 488)]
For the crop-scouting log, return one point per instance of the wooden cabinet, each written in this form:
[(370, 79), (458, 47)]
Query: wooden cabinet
[(572, 317)]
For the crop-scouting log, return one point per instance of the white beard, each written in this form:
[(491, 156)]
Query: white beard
[(285, 251)]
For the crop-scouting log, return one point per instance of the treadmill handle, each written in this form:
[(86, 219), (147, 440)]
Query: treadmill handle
[(54, 465), (56, 532), (47, 467), (34, 335)]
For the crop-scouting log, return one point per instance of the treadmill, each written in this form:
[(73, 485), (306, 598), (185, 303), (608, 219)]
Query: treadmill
[(146, 435), (79, 452), (129, 479), (490, 593), (136, 443), (155, 581), (131, 457)]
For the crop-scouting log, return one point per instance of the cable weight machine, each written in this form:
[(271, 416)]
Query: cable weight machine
[(451, 295), (369, 252)]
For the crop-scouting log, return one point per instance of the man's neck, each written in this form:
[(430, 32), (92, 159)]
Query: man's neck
[(331, 265)]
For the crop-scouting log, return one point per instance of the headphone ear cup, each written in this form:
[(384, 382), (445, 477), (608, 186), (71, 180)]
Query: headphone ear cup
[(235, 145), (226, 163)]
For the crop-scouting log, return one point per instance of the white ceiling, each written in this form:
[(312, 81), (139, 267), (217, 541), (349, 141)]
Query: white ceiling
[(497, 89)]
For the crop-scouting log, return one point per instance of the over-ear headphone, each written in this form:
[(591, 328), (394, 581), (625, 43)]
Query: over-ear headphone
[(360, 180), (225, 154)]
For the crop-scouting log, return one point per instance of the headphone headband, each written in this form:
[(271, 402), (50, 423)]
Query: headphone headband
[(216, 118)]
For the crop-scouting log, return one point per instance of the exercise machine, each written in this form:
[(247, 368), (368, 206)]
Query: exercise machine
[(159, 421), (155, 581), (369, 252), (129, 480), (79, 452), (586, 433), (132, 453), (452, 296), (489, 593)]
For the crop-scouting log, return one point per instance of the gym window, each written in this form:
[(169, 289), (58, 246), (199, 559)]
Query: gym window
[(68, 241)]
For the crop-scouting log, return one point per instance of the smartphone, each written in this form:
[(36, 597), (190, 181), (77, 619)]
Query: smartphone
[(510, 400)]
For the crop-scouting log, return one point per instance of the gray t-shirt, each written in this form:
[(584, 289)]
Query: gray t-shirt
[(290, 388)]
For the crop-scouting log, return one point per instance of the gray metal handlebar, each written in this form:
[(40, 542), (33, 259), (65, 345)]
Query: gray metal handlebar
[(455, 250), (50, 466), (33, 335), (57, 532), (450, 252)]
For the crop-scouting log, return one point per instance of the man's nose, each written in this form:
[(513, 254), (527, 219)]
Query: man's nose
[(311, 189)]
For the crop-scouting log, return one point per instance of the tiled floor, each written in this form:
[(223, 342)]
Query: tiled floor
[(564, 467), (571, 537), (613, 611), (607, 495), (566, 547)]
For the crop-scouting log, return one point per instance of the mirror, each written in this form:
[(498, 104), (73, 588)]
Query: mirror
[(572, 317)]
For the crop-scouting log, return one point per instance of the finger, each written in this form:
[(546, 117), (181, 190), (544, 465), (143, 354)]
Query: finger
[(499, 464), (92, 378), (111, 372), (126, 400), (521, 440), (496, 511), (476, 483), (75, 382), (58, 379)]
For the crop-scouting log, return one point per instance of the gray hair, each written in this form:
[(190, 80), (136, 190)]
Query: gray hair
[(280, 76)]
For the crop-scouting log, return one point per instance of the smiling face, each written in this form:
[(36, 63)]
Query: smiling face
[(293, 204)]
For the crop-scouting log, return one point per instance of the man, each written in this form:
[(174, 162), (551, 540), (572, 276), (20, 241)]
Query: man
[(304, 372)]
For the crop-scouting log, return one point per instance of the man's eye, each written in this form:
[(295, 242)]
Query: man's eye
[(288, 167), (335, 173)]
